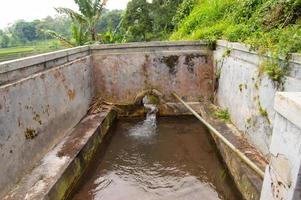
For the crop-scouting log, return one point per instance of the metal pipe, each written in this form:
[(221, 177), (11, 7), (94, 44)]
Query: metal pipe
[(223, 139)]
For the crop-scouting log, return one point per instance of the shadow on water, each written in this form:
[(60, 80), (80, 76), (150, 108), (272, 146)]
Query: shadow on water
[(165, 158)]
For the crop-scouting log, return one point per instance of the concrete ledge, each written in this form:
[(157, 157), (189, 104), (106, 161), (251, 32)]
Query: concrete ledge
[(160, 52), (295, 57), (33, 60), (59, 171), (288, 104), (20, 68), (147, 45)]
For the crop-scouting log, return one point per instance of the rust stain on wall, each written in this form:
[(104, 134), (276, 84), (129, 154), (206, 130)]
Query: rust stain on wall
[(71, 94)]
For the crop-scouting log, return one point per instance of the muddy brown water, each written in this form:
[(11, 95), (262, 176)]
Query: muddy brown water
[(164, 159)]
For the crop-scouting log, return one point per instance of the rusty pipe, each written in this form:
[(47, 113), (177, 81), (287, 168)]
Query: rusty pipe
[(241, 155)]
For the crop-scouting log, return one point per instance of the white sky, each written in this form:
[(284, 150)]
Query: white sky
[(12, 10)]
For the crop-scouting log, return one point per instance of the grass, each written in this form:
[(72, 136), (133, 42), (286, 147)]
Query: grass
[(268, 26), (29, 50)]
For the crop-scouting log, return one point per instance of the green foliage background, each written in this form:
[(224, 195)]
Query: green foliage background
[(272, 26), (267, 25)]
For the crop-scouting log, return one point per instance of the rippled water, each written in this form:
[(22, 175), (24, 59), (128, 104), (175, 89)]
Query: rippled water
[(172, 158)]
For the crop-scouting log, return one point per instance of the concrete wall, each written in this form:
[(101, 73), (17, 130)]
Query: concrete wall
[(38, 107), (244, 93), (43, 97), (20, 68), (122, 71), (282, 177)]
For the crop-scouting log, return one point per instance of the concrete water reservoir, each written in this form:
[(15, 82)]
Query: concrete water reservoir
[(48, 139)]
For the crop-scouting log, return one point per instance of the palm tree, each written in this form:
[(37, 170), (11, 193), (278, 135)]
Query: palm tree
[(84, 22), (90, 13)]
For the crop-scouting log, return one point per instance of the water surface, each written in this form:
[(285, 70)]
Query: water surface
[(170, 159)]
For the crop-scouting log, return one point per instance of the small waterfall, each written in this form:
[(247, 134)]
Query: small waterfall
[(148, 127), (151, 110)]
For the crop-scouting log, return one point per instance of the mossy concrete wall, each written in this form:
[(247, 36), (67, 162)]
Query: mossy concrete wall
[(122, 71), (248, 93), (37, 109), (45, 96)]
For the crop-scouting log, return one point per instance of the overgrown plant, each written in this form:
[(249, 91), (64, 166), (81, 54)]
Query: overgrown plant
[(274, 71), (84, 22), (268, 26), (263, 112), (183, 11), (223, 114)]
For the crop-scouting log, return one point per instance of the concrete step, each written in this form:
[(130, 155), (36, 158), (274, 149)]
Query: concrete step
[(61, 168)]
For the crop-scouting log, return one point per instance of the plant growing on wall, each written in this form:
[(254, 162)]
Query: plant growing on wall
[(276, 73), (223, 114)]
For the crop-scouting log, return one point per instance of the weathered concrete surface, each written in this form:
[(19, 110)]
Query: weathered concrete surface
[(20, 68), (35, 113), (62, 167), (44, 96), (149, 47), (246, 94), (282, 176), (120, 74)]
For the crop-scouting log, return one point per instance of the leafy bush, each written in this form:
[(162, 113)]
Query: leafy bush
[(183, 11), (273, 25)]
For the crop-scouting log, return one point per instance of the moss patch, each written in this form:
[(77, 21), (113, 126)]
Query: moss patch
[(223, 114)]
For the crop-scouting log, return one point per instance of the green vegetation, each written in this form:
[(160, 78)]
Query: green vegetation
[(249, 120), (263, 112), (240, 87), (145, 21), (30, 49), (273, 25), (25, 33), (25, 38), (83, 23), (275, 73), (223, 115), (183, 11), (141, 21), (218, 73), (227, 53)]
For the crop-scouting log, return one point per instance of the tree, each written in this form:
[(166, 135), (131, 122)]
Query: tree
[(137, 22), (149, 21), (24, 31), (109, 21), (88, 17), (162, 13), (58, 24), (4, 40)]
